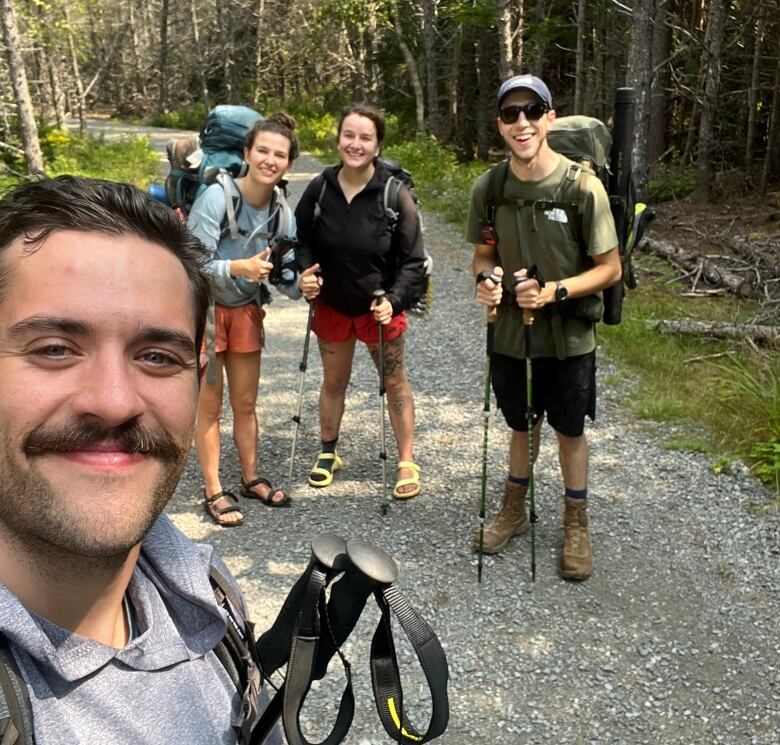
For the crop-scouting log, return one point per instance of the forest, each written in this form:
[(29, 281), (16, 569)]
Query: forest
[(706, 72)]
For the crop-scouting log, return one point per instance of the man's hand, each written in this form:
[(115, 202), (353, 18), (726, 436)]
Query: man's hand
[(382, 310), (255, 269), (309, 283), (528, 294), (489, 292)]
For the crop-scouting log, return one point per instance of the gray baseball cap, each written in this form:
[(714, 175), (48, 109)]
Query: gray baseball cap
[(525, 82)]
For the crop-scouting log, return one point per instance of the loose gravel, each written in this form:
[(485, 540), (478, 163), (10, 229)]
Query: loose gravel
[(674, 639)]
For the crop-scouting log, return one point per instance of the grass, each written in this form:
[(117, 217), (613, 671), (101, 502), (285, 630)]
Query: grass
[(686, 381), (131, 160)]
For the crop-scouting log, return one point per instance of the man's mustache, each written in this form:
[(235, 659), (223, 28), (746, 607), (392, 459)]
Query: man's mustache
[(129, 438)]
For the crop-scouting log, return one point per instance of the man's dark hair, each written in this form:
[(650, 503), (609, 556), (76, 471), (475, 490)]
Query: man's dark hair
[(37, 209)]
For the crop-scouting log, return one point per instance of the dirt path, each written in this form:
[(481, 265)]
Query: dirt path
[(675, 638)]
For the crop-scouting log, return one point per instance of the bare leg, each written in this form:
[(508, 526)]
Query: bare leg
[(336, 371), (518, 451), (207, 440), (400, 402), (573, 457), (243, 374)]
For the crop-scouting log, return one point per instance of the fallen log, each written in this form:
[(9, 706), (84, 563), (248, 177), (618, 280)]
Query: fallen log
[(762, 336), (703, 266)]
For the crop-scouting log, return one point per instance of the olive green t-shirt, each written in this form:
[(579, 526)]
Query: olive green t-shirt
[(548, 237)]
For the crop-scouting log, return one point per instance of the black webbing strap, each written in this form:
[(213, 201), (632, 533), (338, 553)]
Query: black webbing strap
[(385, 676), (295, 639), (300, 668), (240, 644)]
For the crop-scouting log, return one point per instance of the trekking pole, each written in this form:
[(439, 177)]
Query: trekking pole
[(378, 295), (297, 417), (528, 320), (490, 330)]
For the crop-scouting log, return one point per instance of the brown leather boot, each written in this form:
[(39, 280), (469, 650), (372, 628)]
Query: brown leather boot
[(577, 555), (511, 520)]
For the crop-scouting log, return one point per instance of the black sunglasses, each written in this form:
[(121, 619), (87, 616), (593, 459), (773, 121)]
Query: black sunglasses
[(533, 112)]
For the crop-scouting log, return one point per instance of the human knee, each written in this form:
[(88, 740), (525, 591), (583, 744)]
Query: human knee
[(397, 385), (210, 404), (243, 403)]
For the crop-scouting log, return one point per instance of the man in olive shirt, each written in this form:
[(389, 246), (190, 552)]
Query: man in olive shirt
[(526, 231)]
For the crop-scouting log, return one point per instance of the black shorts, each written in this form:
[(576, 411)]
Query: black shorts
[(563, 389)]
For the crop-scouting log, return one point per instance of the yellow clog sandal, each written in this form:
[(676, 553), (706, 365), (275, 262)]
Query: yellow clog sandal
[(414, 480), (324, 467)]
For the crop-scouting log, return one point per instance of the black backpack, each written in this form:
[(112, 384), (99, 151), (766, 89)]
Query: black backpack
[(399, 177), (237, 653)]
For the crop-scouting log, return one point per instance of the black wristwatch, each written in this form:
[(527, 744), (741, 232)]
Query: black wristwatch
[(561, 293)]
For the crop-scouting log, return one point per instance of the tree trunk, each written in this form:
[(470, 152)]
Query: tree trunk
[(162, 100), (750, 129), (660, 86), (431, 68), (57, 94), (28, 129), (411, 67), (705, 173), (639, 76), (260, 83), (763, 336), (199, 61), (773, 136), (505, 56), (74, 63), (484, 47), (518, 36), (579, 69)]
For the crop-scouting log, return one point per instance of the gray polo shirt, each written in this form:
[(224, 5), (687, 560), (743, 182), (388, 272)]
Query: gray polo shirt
[(166, 686)]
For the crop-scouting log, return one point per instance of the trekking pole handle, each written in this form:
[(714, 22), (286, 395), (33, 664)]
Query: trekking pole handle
[(533, 273)]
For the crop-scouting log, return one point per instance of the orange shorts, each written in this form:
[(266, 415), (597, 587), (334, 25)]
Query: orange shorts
[(331, 325), (239, 329)]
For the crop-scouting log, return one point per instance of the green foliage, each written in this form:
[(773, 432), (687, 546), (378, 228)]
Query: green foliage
[(738, 402), (671, 181), (131, 160), (750, 392), (442, 183), (191, 118)]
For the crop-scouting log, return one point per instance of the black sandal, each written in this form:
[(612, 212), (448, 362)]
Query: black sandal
[(246, 492), (215, 513)]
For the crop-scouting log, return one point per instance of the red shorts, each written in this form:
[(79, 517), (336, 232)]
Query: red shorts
[(238, 329), (331, 325)]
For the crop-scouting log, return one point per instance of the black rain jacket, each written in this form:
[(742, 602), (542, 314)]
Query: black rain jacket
[(355, 247)]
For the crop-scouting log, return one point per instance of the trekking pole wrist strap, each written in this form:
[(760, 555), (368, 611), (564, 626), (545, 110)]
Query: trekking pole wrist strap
[(385, 675), (300, 668)]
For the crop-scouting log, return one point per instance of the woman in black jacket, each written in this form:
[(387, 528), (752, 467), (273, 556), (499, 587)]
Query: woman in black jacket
[(344, 231)]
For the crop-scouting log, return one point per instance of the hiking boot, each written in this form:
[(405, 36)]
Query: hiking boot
[(577, 556), (511, 520)]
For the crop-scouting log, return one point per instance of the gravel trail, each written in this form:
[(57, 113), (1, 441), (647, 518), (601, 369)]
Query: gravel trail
[(674, 639)]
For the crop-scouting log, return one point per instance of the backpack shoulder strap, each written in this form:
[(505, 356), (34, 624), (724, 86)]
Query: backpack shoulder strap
[(281, 224), (317, 208), (15, 709), (238, 653), (233, 204), (391, 204)]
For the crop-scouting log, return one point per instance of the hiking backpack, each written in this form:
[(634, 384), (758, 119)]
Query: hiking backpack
[(218, 157), (586, 141), (391, 207), (236, 652), (195, 163)]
